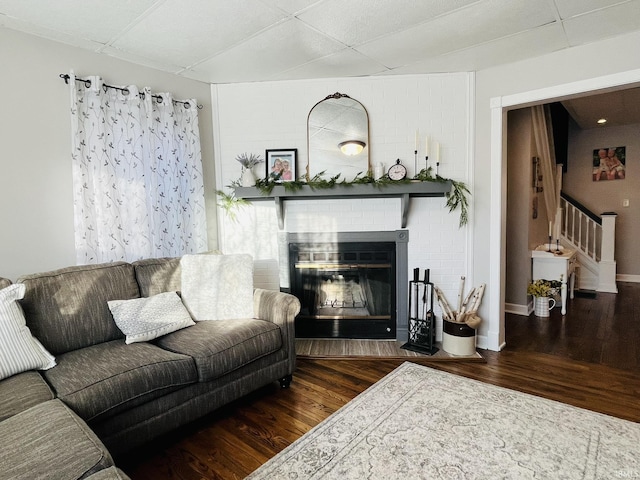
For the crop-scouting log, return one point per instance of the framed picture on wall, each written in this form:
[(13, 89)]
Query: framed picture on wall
[(281, 164), (609, 163)]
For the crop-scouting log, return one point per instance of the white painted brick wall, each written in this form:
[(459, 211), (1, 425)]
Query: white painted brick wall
[(254, 117)]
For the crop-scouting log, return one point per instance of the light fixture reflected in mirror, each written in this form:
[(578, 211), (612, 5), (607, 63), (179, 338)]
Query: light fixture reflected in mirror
[(352, 147)]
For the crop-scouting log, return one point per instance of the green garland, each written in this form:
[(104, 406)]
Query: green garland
[(456, 199)]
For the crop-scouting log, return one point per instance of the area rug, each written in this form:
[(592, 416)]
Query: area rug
[(420, 423), (320, 348)]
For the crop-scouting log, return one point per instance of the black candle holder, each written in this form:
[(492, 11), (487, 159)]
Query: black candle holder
[(549, 244), (415, 162)]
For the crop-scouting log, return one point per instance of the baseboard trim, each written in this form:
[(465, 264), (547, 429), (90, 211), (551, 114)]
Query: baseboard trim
[(518, 309), (621, 277)]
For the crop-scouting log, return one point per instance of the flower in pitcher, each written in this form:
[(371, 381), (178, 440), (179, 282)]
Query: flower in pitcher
[(544, 288)]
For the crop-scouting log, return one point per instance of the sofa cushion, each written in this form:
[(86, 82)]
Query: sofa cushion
[(21, 392), (223, 346), (19, 350), (67, 309), (158, 275), (143, 319), (218, 287), (50, 441), (102, 380)]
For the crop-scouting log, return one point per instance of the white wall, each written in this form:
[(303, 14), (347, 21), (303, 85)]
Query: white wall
[(607, 196), (541, 79), (254, 117), (36, 209)]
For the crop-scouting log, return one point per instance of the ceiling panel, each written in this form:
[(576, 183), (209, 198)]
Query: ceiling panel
[(280, 48), (608, 23), (504, 50), (197, 29), (571, 8), (88, 19), (358, 21), (463, 28), (291, 6), (345, 63)]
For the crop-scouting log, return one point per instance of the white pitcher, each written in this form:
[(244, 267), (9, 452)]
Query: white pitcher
[(542, 305)]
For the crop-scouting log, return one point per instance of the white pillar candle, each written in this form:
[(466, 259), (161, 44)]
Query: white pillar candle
[(426, 145), (416, 142), (437, 151), (550, 223)]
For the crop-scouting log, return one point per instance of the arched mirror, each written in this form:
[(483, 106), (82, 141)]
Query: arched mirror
[(338, 138)]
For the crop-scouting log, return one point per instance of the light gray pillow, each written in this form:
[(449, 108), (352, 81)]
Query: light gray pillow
[(217, 287), (19, 350), (143, 319)]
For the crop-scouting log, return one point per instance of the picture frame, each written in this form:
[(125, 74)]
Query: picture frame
[(609, 163), (281, 161)]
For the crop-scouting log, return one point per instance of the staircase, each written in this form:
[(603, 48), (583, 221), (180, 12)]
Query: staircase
[(593, 237)]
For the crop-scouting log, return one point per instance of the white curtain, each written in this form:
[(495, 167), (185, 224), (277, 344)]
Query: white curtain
[(543, 133), (137, 174)]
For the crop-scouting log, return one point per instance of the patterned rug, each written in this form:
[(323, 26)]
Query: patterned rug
[(419, 423)]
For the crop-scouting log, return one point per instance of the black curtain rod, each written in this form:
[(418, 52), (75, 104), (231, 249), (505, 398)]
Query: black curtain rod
[(87, 84)]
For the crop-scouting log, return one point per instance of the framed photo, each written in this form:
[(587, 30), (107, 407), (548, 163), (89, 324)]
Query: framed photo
[(281, 163), (609, 163)]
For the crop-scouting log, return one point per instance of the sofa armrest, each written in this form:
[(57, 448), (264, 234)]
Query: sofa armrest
[(279, 308)]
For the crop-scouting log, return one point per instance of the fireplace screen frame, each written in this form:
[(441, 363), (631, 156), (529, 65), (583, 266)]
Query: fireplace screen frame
[(370, 327)]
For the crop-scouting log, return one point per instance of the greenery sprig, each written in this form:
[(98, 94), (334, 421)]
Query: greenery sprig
[(229, 202), (457, 199)]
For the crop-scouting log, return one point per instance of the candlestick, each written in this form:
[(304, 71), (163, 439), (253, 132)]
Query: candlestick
[(550, 233), (415, 162), (549, 244), (438, 152), (426, 162), (426, 145)]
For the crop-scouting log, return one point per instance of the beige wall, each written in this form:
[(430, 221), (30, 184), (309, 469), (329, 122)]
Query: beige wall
[(520, 150), (36, 209), (607, 196)]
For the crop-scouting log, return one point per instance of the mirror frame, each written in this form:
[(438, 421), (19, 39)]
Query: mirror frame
[(337, 96)]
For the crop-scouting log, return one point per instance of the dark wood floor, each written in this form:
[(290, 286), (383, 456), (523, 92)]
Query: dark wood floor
[(589, 359)]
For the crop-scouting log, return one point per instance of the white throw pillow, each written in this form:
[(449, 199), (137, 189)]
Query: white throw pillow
[(218, 287), (143, 319), (19, 350)]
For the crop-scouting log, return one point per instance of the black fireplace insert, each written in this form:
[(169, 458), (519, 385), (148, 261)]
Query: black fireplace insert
[(347, 290)]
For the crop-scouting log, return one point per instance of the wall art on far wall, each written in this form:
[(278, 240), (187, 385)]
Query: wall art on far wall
[(609, 163), (282, 162)]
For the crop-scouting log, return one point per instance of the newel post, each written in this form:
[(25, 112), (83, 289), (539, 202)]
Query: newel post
[(607, 281)]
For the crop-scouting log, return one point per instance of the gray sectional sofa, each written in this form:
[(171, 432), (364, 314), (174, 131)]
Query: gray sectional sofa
[(105, 397)]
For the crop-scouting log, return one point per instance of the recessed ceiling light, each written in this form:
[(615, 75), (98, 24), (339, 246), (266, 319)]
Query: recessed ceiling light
[(602, 121)]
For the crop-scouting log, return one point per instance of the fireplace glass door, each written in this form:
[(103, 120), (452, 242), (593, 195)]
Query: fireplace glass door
[(347, 290)]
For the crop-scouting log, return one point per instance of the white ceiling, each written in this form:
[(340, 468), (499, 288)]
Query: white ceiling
[(220, 41)]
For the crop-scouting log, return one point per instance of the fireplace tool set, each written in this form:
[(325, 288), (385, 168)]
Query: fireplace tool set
[(422, 320)]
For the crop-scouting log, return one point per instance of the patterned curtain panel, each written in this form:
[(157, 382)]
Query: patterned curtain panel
[(137, 174)]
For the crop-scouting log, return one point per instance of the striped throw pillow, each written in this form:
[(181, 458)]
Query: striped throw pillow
[(19, 350)]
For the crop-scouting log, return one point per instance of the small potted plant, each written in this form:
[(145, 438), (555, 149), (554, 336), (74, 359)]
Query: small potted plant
[(543, 292), (248, 161)]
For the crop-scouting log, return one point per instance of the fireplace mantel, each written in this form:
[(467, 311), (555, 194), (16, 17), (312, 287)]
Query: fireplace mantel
[(404, 191)]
